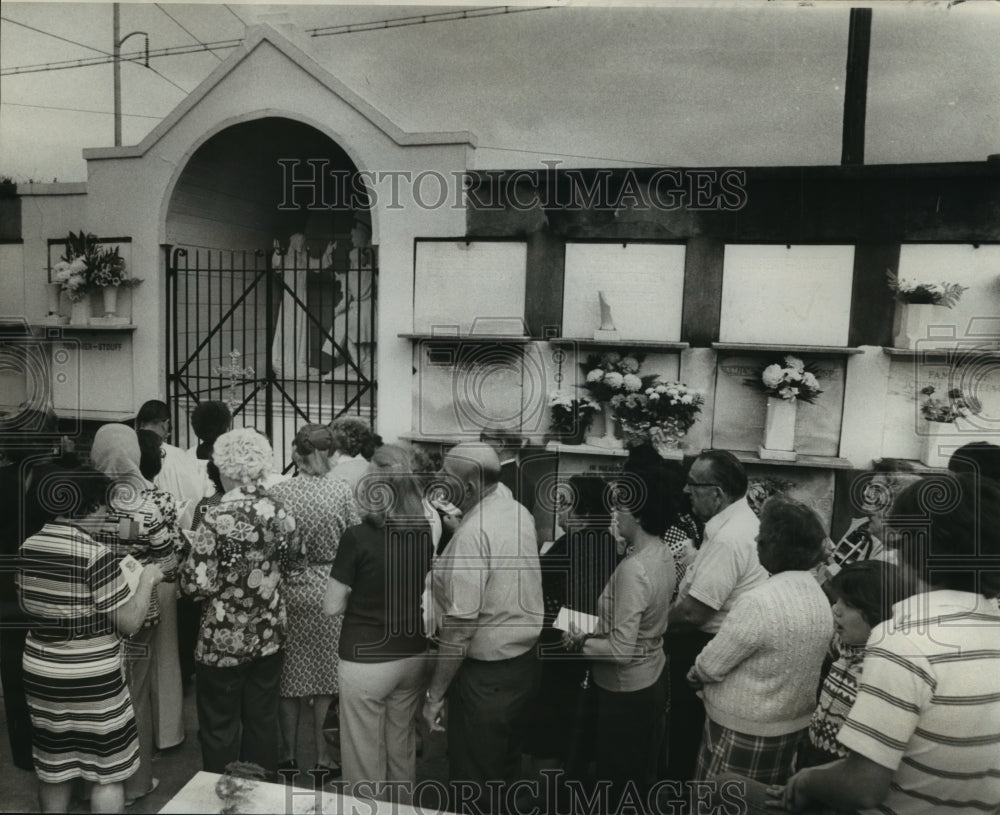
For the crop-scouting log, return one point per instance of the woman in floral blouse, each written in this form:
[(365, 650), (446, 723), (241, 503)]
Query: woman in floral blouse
[(237, 558)]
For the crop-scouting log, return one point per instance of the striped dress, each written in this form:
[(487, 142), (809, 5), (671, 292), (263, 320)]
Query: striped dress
[(81, 712)]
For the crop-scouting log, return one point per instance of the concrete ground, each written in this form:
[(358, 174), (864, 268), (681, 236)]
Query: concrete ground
[(175, 767)]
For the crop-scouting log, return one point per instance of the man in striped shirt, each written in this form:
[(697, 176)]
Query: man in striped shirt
[(924, 733)]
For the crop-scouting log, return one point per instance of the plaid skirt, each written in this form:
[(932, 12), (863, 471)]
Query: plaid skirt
[(767, 759)]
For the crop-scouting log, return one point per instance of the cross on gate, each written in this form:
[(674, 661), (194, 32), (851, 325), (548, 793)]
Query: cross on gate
[(236, 374)]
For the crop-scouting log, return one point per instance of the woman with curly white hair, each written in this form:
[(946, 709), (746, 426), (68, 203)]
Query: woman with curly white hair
[(237, 558)]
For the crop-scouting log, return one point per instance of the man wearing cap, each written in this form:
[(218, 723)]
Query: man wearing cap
[(488, 598)]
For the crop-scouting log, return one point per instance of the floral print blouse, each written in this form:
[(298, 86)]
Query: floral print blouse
[(237, 558)]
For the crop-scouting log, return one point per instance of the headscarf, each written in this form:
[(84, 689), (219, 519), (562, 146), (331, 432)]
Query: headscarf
[(115, 453)]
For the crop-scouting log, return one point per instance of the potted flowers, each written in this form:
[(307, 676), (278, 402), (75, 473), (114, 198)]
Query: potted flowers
[(943, 417), (606, 376), (87, 266), (915, 307), (570, 417), (662, 414), (786, 383)]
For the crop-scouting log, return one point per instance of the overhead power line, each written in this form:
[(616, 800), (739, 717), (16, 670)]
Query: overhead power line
[(180, 25), (221, 45), (54, 36), (80, 110), (421, 19), (126, 57)]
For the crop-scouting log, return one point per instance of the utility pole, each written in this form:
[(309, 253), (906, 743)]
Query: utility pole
[(116, 64), (856, 87), (117, 67)]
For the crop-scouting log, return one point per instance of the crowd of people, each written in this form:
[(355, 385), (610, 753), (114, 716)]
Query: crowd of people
[(646, 637)]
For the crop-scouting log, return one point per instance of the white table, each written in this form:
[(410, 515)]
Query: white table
[(263, 798)]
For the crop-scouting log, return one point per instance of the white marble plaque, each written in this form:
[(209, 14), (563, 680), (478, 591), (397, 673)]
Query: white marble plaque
[(643, 283), (975, 376), (465, 287), (797, 295), (976, 316), (460, 388), (92, 374), (740, 409)]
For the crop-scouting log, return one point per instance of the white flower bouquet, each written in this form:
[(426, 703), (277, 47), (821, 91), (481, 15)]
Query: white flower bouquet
[(668, 407), (790, 379), (921, 293), (73, 277), (607, 375)]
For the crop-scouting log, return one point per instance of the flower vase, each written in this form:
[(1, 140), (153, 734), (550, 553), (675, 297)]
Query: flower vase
[(53, 291), (779, 430), (576, 435), (911, 323), (110, 295), (666, 436), (939, 441), (79, 314), (608, 429)]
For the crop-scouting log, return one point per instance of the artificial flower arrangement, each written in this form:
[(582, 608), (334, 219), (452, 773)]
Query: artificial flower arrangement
[(919, 293), (789, 379), (939, 410), (87, 265), (569, 416), (607, 375), (662, 411)]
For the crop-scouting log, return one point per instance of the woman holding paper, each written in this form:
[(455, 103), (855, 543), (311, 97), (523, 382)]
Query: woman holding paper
[(575, 571), (627, 646), (82, 599)]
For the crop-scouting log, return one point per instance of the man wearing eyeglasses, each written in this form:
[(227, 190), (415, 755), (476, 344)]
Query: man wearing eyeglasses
[(726, 566)]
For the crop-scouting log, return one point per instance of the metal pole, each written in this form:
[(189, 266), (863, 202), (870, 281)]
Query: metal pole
[(117, 65), (856, 87)]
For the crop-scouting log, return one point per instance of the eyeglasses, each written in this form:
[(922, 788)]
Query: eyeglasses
[(691, 483)]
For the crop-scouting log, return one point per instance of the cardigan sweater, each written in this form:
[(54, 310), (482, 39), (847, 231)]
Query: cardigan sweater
[(761, 671)]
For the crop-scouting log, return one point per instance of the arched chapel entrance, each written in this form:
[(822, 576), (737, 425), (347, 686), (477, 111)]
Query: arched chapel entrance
[(271, 282)]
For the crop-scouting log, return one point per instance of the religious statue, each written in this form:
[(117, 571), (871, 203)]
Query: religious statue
[(290, 347), (353, 316), (607, 331)]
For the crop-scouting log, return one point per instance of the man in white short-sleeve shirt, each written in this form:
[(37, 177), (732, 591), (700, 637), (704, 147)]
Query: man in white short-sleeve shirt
[(725, 567)]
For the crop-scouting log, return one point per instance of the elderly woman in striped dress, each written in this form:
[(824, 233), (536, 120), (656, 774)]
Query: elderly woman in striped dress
[(82, 599)]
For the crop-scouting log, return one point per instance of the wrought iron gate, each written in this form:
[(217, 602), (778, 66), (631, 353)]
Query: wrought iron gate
[(282, 346)]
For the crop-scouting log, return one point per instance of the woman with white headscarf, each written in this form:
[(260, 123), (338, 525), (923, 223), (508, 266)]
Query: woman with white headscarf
[(134, 525)]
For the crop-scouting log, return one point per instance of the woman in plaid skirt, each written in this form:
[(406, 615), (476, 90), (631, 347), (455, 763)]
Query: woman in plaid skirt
[(759, 675)]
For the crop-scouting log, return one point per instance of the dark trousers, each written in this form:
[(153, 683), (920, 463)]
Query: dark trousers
[(14, 701), (238, 713), (687, 712), (486, 706), (630, 729), (188, 626)]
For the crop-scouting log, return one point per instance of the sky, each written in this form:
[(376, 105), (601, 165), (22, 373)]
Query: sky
[(677, 83)]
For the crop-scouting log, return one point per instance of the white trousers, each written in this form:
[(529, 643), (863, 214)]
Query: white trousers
[(378, 708)]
